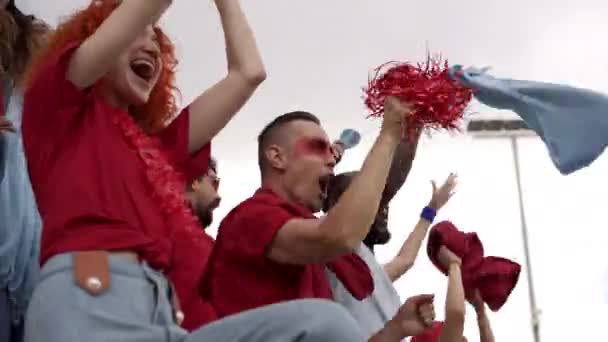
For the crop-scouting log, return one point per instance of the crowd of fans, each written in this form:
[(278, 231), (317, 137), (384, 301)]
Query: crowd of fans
[(105, 199)]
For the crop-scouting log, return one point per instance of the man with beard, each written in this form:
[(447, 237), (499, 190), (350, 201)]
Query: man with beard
[(375, 311), (192, 249), (203, 194), (20, 226)]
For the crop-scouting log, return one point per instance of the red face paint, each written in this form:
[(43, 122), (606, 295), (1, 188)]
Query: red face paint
[(314, 146)]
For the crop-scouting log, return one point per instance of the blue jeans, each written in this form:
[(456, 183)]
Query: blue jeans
[(20, 224), (136, 308), (9, 332)]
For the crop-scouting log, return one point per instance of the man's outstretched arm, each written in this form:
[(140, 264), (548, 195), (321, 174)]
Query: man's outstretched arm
[(400, 168), (408, 253)]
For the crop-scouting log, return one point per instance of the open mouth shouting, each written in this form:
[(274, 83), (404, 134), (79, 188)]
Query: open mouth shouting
[(146, 68), (324, 185)]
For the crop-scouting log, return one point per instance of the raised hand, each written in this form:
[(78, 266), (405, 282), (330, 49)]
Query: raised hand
[(415, 315), (395, 112), (446, 257), (442, 195)]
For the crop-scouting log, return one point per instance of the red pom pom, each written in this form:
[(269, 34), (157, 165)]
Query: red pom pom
[(438, 101)]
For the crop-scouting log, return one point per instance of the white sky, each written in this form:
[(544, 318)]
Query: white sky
[(318, 54)]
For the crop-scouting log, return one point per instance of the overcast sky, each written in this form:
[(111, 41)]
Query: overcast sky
[(318, 54)]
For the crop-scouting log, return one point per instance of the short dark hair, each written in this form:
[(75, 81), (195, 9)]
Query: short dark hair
[(269, 132)]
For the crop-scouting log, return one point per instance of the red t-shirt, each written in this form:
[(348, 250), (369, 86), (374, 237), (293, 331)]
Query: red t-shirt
[(239, 276), (90, 185), (191, 251)]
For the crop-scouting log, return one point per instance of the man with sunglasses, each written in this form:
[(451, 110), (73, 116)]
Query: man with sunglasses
[(203, 194), (272, 248), (191, 250)]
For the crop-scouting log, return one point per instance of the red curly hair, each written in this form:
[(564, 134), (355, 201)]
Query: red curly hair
[(162, 104)]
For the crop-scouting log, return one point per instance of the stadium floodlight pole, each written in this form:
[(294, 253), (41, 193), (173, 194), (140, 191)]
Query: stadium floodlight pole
[(511, 130)]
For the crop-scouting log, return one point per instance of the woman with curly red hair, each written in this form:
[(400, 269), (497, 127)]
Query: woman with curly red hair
[(109, 175)]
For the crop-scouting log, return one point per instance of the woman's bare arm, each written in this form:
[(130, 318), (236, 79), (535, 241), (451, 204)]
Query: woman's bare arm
[(214, 108), (410, 248), (404, 260), (453, 328), (483, 322), (97, 53)]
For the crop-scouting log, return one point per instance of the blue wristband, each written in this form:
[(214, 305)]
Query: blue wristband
[(428, 214)]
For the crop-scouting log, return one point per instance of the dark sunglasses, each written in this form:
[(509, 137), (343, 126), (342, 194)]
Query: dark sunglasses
[(320, 147)]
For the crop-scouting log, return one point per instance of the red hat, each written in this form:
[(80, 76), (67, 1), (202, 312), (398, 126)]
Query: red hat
[(494, 277)]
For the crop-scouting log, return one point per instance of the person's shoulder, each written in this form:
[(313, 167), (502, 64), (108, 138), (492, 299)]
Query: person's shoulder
[(368, 256), (254, 213), (192, 236), (250, 207), (363, 250)]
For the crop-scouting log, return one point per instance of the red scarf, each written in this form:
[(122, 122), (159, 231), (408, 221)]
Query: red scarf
[(350, 269), (167, 184)]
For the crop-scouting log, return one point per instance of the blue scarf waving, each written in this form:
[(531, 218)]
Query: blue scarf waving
[(572, 122)]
